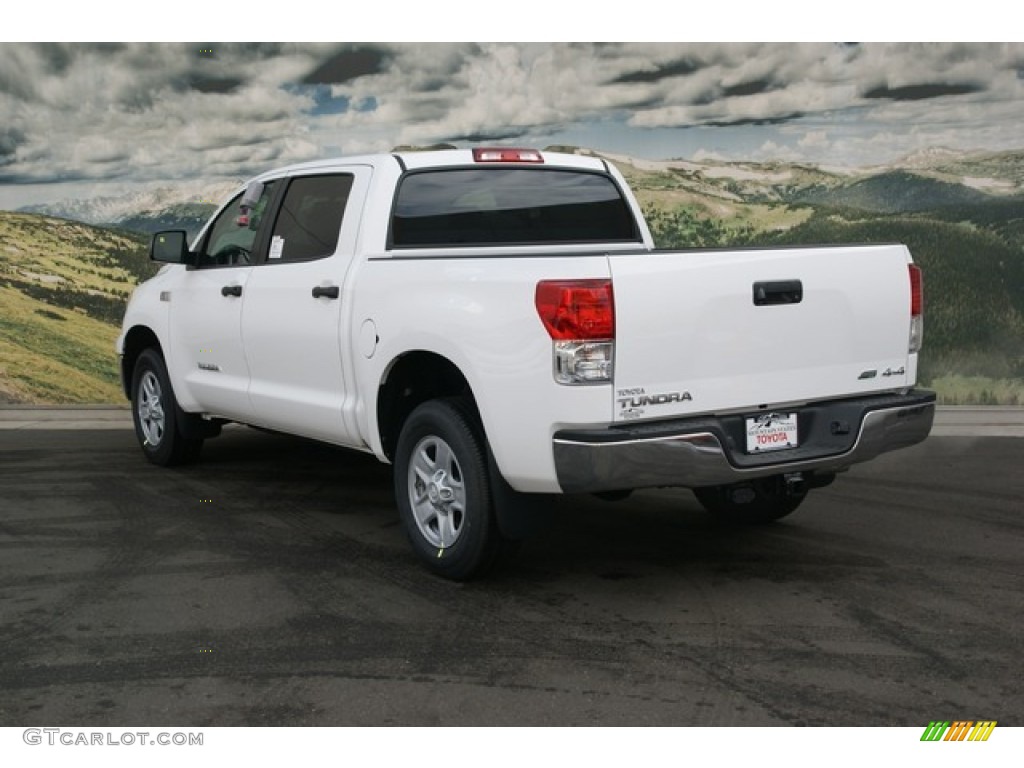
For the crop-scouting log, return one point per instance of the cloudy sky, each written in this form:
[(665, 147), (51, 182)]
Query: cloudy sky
[(79, 119)]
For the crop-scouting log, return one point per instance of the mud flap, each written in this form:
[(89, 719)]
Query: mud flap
[(519, 515), (194, 427)]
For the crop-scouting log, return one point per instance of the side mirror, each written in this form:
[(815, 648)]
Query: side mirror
[(250, 199), (252, 195), (170, 247)]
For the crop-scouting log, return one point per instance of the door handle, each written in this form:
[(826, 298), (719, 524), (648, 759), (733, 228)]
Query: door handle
[(328, 292), (231, 290), (771, 293)]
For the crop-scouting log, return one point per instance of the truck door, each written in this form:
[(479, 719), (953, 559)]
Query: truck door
[(206, 309), (296, 312)]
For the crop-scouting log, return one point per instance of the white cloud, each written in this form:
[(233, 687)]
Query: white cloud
[(814, 140), (157, 112)]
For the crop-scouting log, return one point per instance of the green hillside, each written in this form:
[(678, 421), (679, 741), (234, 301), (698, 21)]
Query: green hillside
[(187, 216), (894, 192), (63, 287), (1006, 166), (1001, 216)]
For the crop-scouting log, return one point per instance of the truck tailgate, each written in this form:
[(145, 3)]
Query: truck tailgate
[(715, 331)]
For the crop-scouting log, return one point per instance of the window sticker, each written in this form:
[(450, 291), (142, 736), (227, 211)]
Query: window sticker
[(276, 246)]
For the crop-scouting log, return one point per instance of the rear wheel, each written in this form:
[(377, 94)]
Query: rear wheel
[(155, 412), (753, 502), (443, 490)]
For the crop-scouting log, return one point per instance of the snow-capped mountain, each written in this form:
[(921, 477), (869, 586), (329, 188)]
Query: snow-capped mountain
[(930, 157), (153, 202)]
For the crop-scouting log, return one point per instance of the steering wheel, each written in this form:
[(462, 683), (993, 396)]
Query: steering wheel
[(232, 254)]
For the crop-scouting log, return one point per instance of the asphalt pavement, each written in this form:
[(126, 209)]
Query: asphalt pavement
[(271, 584)]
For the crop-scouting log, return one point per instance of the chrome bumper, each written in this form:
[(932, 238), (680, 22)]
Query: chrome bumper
[(701, 456)]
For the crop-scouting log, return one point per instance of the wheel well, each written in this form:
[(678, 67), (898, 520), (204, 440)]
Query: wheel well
[(413, 379), (139, 338)]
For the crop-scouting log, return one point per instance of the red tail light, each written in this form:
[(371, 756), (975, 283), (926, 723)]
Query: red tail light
[(916, 293), (576, 310), (506, 155), (916, 309)]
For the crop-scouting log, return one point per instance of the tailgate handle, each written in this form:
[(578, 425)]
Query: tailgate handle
[(772, 292)]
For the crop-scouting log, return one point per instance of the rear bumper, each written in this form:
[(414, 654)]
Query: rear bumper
[(704, 451)]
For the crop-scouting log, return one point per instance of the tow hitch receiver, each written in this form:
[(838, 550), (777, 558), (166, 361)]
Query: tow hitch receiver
[(796, 485)]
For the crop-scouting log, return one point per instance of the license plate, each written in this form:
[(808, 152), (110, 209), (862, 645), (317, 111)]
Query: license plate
[(771, 432)]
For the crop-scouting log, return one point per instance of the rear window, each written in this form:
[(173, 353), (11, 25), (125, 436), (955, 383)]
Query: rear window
[(509, 206), (309, 222)]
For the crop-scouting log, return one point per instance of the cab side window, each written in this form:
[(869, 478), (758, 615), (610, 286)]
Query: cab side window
[(309, 222), (232, 236)]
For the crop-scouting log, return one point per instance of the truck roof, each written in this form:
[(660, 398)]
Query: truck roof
[(435, 159)]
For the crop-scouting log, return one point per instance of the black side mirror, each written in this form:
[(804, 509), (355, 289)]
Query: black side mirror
[(170, 247)]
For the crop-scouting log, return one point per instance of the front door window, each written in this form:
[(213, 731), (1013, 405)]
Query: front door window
[(232, 236)]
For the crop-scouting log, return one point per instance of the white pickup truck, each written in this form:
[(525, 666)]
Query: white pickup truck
[(497, 323)]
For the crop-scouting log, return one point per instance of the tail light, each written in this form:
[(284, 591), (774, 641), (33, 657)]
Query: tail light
[(506, 155), (579, 316), (916, 309)]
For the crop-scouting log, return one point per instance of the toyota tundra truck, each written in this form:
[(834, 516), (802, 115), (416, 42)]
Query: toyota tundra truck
[(497, 324)]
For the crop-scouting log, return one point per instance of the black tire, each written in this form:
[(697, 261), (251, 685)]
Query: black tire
[(155, 413), (443, 490), (755, 502)]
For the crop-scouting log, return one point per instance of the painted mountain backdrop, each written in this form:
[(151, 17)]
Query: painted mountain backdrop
[(66, 269)]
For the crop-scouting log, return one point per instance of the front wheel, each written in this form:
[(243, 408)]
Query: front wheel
[(154, 411), (443, 490), (753, 502)]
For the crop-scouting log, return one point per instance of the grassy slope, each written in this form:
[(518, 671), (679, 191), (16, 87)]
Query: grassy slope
[(63, 286), (48, 360), (897, 192)]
